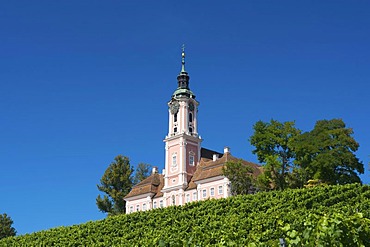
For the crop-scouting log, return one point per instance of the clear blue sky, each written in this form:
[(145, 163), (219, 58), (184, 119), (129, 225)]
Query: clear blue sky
[(84, 81)]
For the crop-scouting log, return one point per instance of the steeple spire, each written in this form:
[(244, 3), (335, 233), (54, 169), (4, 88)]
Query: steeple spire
[(183, 80), (183, 77), (183, 59)]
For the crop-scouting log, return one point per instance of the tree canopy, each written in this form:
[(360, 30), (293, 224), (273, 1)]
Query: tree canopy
[(273, 142), (327, 153), (292, 158), (116, 183), (6, 229), (143, 171)]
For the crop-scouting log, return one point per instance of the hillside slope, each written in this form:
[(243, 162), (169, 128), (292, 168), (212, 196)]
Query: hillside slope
[(306, 217)]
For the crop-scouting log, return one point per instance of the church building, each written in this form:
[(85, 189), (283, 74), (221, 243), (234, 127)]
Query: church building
[(191, 173)]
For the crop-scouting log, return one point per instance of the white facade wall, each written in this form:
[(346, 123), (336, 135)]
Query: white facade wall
[(215, 189)]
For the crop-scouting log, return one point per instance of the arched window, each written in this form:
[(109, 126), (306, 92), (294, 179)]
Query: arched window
[(173, 200), (161, 204), (154, 204), (190, 117), (144, 206), (175, 117), (194, 196)]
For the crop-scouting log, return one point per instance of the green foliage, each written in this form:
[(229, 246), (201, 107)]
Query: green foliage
[(142, 172), (320, 216), (6, 229), (327, 153), (240, 176), (116, 183), (332, 229), (273, 142)]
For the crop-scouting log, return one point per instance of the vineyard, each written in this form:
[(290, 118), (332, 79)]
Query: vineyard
[(320, 216)]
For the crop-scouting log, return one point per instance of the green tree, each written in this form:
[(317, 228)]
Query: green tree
[(116, 183), (274, 146), (240, 176), (6, 229), (142, 172), (327, 153)]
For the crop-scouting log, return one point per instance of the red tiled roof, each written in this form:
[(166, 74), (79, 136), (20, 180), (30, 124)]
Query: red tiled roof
[(152, 184)]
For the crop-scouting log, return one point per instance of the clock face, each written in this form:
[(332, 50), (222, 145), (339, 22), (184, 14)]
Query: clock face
[(174, 107), (191, 106)]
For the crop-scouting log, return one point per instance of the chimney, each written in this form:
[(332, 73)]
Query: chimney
[(154, 170), (215, 157), (226, 150)]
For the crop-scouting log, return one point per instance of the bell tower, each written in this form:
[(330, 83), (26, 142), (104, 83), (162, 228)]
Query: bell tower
[(182, 143)]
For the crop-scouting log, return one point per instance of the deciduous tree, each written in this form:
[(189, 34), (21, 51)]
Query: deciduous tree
[(116, 183), (6, 229), (273, 145), (240, 176), (327, 153)]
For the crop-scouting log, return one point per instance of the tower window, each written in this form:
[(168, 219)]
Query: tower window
[(175, 129), (191, 159), (190, 117), (175, 118), (174, 160), (190, 129), (173, 200)]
